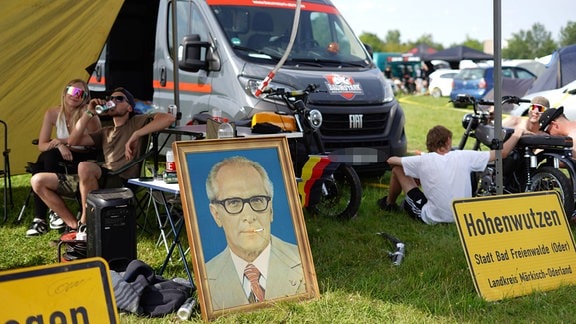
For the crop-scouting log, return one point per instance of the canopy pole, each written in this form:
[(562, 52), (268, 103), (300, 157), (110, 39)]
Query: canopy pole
[(175, 61), (498, 92)]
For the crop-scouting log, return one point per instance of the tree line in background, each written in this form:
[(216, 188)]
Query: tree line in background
[(526, 44)]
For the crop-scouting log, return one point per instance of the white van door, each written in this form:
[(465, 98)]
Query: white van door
[(193, 87)]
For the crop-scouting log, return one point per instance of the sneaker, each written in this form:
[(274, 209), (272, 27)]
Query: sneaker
[(404, 205), (79, 228), (38, 227), (386, 206), (55, 221)]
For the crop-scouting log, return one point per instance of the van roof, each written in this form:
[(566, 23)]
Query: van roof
[(263, 3)]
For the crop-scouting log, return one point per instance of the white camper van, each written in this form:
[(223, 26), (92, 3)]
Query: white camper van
[(232, 45)]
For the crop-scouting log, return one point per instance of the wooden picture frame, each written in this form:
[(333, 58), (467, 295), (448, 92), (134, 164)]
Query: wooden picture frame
[(218, 278)]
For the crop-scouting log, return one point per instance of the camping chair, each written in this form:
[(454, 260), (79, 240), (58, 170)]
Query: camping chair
[(77, 248), (30, 168), (148, 150), (6, 173)]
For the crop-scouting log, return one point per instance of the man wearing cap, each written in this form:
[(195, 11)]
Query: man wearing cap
[(554, 122), (538, 106), (120, 143)]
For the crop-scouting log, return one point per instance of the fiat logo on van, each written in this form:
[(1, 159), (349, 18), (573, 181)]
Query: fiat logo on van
[(355, 121)]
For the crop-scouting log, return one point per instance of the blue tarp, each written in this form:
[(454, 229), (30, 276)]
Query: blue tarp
[(560, 71)]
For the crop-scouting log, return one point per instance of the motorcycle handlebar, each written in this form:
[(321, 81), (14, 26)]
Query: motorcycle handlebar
[(505, 99), (514, 100)]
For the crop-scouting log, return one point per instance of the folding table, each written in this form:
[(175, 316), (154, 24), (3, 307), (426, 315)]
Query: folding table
[(175, 226)]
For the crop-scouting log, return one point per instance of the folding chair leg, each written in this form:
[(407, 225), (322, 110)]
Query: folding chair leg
[(30, 193)]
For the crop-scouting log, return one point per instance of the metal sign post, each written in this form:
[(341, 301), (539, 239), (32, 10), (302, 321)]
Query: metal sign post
[(498, 92)]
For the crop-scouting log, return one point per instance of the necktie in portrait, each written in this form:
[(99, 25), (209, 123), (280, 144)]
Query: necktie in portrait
[(253, 275)]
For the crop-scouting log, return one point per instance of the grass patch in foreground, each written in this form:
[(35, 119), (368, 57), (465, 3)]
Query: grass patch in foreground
[(358, 283)]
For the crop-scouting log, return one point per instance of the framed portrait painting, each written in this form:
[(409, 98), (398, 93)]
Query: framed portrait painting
[(245, 226)]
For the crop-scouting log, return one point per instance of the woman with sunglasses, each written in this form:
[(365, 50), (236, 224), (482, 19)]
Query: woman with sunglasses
[(56, 155)]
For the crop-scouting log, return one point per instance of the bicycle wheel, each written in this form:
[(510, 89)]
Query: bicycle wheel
[(341, 194), (550, 178)]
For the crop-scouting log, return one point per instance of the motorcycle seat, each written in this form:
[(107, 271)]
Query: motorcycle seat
[(545, 141)]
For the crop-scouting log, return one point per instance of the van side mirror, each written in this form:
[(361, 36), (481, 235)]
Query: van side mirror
[(369, 49), (193, 55)]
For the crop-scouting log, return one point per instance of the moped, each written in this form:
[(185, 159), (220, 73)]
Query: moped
[(327, 187)]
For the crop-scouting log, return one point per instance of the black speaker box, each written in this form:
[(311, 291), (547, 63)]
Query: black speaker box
[(111, 225)]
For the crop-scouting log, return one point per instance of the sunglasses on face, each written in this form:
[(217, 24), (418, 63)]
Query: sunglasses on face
[(76, 92), (537, 107), (118, 98)]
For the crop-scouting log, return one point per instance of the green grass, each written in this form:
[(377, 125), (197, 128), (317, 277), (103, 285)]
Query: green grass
[(358, 283)]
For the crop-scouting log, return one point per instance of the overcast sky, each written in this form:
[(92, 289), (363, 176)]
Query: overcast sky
[(451, 21)]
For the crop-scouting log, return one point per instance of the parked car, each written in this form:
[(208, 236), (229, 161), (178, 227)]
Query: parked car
[(478, 81), (565, 96), (441, 82)]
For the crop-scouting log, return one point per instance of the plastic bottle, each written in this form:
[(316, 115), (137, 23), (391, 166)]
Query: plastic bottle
[(173, 110), (185, 310), (225, 130), (217, 114), (170, 164)]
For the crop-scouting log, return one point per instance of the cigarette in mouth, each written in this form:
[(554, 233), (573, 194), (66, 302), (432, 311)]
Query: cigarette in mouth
[(258, 230)]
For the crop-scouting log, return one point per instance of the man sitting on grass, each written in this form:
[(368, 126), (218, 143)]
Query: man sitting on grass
[(443, 173)]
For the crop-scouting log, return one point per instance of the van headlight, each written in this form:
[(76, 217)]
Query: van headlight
[(388, 91), (252, 85)]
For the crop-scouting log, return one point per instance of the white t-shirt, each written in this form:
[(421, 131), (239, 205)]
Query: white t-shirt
[(443, 179)]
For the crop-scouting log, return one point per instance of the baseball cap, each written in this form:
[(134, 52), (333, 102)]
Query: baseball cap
[(548, 116), (539, 100), (128, 95)]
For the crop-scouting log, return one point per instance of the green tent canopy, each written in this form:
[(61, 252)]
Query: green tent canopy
[(45, 44)]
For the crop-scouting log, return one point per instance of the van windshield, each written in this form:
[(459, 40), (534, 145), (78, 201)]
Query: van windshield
[(260, 34)]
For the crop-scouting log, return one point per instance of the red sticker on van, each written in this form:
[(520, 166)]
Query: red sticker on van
[(343, 85)]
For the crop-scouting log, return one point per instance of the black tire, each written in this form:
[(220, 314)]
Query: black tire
[(482, 183), (550, 178), (341, 195)]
